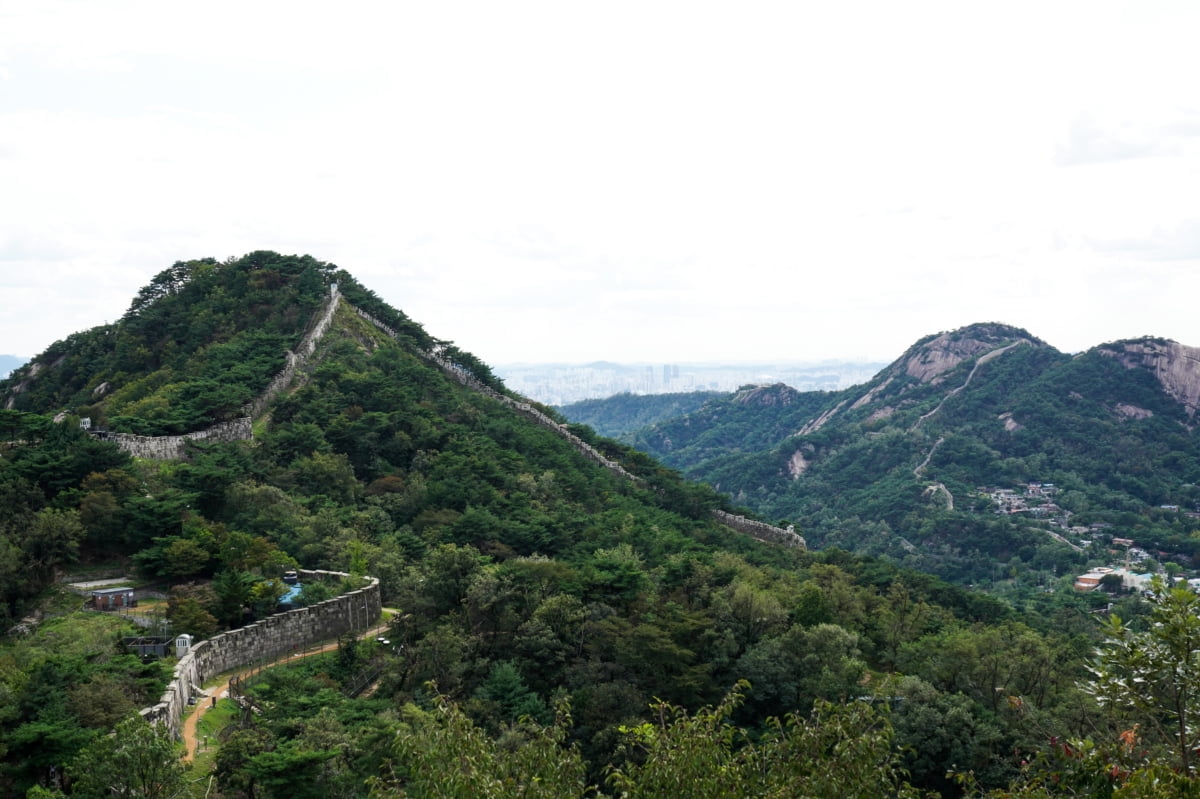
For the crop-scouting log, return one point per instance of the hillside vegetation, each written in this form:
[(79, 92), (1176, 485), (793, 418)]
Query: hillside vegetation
[(623, 412), (561, 630), (909, 465)]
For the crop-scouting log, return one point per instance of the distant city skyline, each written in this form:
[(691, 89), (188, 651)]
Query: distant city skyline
[(562, 383)]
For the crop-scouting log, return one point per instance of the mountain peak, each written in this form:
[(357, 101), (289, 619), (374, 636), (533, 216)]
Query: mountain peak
[(941, 352), (1175, 365)]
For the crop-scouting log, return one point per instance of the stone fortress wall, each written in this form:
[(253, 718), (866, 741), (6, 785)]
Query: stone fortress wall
[(760, 530), (264, 641), (166, 448), (241, 429), (464, 377), (755, 529), (275, 636), (172, 447)]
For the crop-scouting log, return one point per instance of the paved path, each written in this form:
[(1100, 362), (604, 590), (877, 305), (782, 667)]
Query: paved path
[(192, 722)]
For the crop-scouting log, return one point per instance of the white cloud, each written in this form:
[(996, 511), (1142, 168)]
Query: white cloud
[(541, 180), (1091, 140), (1178, 242)]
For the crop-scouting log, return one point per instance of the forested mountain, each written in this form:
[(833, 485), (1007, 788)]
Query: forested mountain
[(569, 624), (915, 464), (625, 412)]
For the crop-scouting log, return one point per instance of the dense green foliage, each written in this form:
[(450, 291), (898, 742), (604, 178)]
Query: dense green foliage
[(62, 689), (137, 760), (897, 467), (311, 738), (623, 413), (196, 344), (749, 420), (42, 466), (531, 584)]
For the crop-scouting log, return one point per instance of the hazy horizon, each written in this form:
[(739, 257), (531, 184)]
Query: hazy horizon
[(660, 182)]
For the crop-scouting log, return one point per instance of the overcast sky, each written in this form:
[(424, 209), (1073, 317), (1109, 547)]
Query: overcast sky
[(662, 182)]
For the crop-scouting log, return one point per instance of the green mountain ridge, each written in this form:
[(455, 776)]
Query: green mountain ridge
[(559, 625), (909, 453), (614, 415)]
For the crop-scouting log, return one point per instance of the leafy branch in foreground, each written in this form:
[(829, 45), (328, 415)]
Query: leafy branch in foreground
[(1148, 683), (1151, 678), (138, 759), (442, 753), (839, 750)]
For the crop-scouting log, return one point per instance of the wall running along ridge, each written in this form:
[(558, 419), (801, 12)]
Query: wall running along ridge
[(469, 380), (172, 447), (165, 448), (264, 641), (760, 530), (755, 529)]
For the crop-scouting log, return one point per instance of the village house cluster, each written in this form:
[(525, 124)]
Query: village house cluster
[(1132, 576), (1035, 499), (1128, 569), (1129, 580)]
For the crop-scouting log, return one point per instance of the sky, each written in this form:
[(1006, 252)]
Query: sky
[(628, 181)]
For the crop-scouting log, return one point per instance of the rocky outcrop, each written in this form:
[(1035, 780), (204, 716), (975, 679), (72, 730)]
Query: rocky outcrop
[(1127, 411), (797, 465), (984, 358), (1011, 425), (934, 360), (881, 413), (816, 424), (938, 355), (928, 361), (28, 375), (1176, 366), (872, 394), (766, 396)]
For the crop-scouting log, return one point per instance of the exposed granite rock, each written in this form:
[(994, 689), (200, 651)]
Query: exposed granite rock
[(931, 358), (1010, 424), (797, 464), (1175, 365), (881, 413), (816, 424), (766, 396), (870, 395), (1132, 411)]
